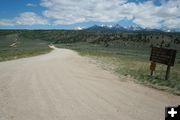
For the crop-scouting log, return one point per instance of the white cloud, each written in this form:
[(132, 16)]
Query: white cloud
[(73, 11), (5, 22), (172, 23), (64, 12), (78, 28), (31, 5), (145, 14), (26, 18), (30, 18)]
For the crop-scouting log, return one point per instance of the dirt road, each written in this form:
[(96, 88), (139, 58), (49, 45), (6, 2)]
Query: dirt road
[(62, 85)]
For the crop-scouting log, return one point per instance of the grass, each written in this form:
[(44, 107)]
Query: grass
[(131, 62), (131, 59), (24, 47), (10, 55)]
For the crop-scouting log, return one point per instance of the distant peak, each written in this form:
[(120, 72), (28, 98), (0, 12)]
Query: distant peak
[(131, 28)]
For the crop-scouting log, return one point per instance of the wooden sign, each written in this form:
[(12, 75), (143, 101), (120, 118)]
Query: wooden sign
[(163, 56)]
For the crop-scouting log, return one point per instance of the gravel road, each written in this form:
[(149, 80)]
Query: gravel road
[(62, 85)]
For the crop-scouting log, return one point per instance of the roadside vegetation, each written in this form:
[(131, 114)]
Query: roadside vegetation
[(14, 46), (133, 63), (125, 53)]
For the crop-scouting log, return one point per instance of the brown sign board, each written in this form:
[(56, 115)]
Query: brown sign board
[(163, 56)]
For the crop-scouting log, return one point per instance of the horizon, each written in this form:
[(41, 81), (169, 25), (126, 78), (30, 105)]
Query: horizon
[(68, 15)]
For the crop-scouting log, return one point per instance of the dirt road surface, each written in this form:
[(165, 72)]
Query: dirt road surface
[(62, 85)]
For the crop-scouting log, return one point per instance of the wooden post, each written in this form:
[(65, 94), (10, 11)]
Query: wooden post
[(167, 72), (152, 73), (168, 67), (152, 67)]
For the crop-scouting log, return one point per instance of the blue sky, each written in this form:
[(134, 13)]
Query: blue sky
[(77, 14)]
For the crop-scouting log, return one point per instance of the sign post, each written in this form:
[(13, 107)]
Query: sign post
[(152, 67), (167, 72), (163, 56)]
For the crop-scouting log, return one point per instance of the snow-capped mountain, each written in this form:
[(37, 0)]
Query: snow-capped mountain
[(132, 28), (117, 26), (107, 28), (98, 28)]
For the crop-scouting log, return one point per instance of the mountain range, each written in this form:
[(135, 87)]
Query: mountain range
[(132, 28)]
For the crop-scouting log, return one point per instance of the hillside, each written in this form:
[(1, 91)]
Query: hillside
[(13, 45), (39, 39), (128, 52)]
